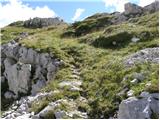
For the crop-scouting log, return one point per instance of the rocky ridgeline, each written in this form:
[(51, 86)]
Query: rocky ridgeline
[(133, 10), (25, 70), (103, 20), (42, 22)]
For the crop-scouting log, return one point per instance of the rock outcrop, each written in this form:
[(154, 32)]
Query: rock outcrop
[(77, 91), (20, 109), (18, 76), (25, 69), (118, 18), (42, 22), (132, 9), (153, 7), (142, 56), (142, 108)]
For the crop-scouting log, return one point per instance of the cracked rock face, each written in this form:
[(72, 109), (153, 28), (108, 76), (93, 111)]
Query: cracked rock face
[(134, 108), (142, 56), (153, 7), (42, 22), (24, 65), (135, 9), (18, 76), (132, 9)]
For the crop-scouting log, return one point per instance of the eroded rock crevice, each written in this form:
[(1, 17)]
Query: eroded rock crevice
[(26, 70)]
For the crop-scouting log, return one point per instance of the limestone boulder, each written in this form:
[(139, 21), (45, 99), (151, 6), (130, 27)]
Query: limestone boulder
[(25, 69), (32, 55), (132, 9), (11, 50), (119, 18), (142, 56), (51, 69), (18, 76), (48, 112), (9, 62), (134, 108), (39, 73)]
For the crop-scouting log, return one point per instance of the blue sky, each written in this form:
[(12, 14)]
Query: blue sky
[(68, 10)]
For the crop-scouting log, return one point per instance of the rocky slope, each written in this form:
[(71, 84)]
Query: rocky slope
[(100, 21), (24, 70), (105, 66)]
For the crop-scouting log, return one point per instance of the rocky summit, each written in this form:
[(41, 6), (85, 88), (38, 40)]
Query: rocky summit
[(42, 22), (103, 67)]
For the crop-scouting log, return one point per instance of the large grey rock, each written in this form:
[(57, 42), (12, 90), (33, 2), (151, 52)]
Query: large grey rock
[(51, 68), (48, 112), (134, 108), (38, 86), (21, 68), (18, 76), (23, 51), (17, 61), (42, 22), (8, 62), (39, 73), (44, 59), (144, 94), (155, 95), (32, 56), (10, 50), (132, 9), (153, 7), (119, 18), (60, 114), (142, 56)]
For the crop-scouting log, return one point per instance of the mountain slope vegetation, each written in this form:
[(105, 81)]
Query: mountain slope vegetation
[(97, 49)]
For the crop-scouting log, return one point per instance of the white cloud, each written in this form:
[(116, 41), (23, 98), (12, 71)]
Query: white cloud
[(15, 10), (146, 2), (77, 14), (117, 4)]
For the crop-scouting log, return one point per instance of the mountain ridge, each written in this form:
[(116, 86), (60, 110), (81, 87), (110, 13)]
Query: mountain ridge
[(89, 69)]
